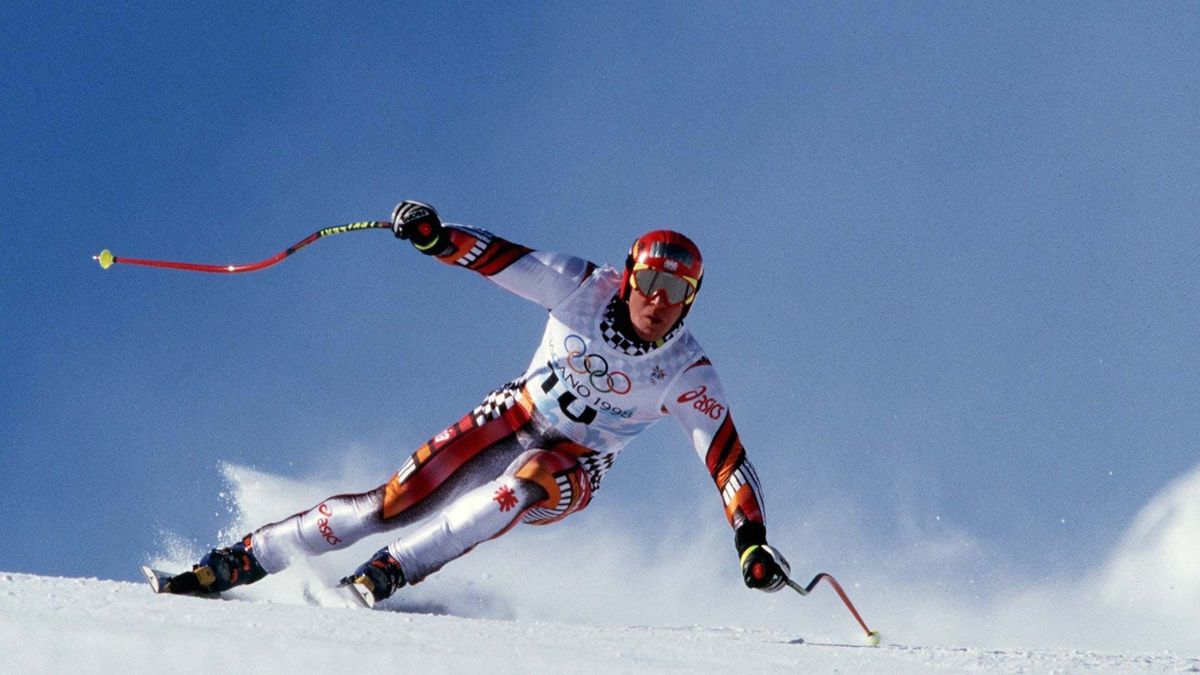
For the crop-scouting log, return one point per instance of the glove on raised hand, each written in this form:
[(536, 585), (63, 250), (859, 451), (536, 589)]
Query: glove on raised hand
[(419, 223)]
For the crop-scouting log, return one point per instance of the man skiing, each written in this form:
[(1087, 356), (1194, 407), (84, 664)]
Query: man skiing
[(614, 358)]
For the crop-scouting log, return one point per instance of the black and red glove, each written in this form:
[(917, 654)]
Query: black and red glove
[(763, 567), (419, 223)]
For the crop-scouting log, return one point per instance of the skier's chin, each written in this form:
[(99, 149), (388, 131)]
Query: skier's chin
[(652, 320), (651, 327)]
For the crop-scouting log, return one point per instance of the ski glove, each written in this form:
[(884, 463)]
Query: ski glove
[(419, 223), (763, 567)]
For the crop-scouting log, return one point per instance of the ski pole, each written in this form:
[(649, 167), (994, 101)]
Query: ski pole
[(107, 259), (872, 635)]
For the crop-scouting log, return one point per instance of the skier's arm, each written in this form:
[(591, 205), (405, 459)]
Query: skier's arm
[(697, 400), (543, 277)]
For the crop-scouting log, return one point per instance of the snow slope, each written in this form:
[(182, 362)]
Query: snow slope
[(52, 625), (1157, 563), (586, 599)]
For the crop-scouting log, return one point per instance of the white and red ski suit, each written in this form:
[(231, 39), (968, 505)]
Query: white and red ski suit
[(536, 449)]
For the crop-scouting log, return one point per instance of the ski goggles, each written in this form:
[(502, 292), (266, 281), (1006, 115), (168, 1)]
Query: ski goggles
[(649, 281)]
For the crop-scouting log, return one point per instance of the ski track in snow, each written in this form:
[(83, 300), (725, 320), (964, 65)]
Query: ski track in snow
[(53, 625)]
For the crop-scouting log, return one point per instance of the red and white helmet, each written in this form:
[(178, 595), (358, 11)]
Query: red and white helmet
[(664, 261)]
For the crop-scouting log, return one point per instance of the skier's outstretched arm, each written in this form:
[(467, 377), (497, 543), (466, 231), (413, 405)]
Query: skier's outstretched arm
[(697, 400), (543, 277)]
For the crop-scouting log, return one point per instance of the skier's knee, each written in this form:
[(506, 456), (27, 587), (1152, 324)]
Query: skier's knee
[(560, 476)]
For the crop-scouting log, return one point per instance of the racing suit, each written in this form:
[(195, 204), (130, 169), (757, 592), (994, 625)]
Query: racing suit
[(537, 448)]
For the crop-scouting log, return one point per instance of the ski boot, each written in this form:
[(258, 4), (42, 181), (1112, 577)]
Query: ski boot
[(220, 570), (376, 579)]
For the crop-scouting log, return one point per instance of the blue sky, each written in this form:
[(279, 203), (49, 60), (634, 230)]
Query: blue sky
[(952, 253)]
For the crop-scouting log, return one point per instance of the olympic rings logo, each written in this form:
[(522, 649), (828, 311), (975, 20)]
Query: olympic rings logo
[(595, 367)]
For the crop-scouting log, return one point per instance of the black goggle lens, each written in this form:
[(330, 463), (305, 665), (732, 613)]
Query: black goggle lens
[(649, 282)]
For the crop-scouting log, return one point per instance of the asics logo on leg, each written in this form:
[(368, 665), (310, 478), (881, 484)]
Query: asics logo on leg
[(324, 527)]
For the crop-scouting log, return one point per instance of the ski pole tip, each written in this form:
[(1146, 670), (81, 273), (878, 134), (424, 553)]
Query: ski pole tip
[(105, 259), (873, 638)]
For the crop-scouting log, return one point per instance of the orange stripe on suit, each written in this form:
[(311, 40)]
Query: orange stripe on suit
[(721, 446), (443, 459), (498, 256), (746, 502)]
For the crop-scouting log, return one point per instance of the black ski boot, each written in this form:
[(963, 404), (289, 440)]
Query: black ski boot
[(220, 570), (376, 579)]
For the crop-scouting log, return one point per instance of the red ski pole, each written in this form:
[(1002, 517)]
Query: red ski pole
[(107, 259), (872, 635)]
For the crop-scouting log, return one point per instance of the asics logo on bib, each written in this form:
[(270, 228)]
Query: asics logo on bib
[(596, 368)]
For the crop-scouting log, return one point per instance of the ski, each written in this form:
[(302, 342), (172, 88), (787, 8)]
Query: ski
[(186, 583), (359, 592), (157, 579)]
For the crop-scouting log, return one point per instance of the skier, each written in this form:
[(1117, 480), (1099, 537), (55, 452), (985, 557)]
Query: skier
[(615, 357)]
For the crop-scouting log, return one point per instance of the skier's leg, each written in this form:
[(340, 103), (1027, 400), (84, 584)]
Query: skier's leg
[(481, 514), (335, 523), (568, 487), (472, 451), (539, 487)]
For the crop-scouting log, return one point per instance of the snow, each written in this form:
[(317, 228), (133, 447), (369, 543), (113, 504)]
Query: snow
[(90, 625), (587, 599), (1156, 563)]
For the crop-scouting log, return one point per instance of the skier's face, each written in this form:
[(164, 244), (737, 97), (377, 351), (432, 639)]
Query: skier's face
[(652, 317)]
